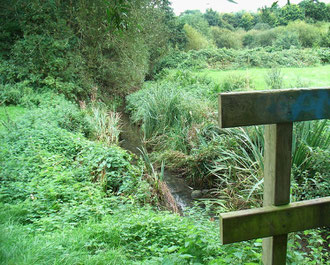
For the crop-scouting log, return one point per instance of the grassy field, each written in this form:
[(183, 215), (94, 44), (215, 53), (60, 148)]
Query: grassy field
[(293, 77)]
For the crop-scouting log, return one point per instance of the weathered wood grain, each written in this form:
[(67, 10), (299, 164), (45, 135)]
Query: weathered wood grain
[(277, 172), (277, 164), (274, 220), (273, 106)]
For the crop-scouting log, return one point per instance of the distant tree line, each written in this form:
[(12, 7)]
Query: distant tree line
[(303, 25), (74, 47)]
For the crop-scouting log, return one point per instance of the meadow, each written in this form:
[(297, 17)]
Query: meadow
[(317, 76)]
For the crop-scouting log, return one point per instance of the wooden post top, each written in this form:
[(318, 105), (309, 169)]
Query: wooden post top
[(273, 106)]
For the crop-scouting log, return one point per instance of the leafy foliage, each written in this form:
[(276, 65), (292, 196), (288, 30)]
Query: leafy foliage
[(233, 59), (225, 38), (51, 170), (69, 48), (195, 40), (274, 79)]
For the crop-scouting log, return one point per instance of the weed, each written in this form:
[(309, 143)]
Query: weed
[(274, 78), (106, 123), (236, 82)]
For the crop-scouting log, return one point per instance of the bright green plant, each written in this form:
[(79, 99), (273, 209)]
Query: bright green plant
[(161, 108), (106, 123), (195, 40), (225, 38), (308, 34), (310, 147), (274, 78), (236, 82), (287, 40)]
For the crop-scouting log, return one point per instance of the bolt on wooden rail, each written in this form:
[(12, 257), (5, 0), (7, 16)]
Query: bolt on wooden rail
[(279, 109)]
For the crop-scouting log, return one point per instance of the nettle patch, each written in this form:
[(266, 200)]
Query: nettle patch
[(49, 168)]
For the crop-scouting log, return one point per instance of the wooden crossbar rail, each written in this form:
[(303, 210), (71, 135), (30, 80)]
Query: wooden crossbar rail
[(273, 106), (279, 109), (274, 220)]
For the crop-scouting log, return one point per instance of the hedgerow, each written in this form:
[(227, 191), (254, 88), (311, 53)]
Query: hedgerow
[(234, 59)]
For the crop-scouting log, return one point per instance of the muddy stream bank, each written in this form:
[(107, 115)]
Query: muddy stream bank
[(131, 140)]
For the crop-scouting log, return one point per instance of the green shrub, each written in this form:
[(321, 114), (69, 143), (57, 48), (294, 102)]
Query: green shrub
[(236, 82), (274, 78), (287, 40), (160, 107), (264, 38), (196, 20), (52, 171), (201, 86), (232, 59), (69, 48), (261, 26), (196, 40), (309, 35), (324, 55), (325, 38), (225, 38)]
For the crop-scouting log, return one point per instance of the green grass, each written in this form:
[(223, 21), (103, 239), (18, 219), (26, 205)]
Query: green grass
[(310, 76)]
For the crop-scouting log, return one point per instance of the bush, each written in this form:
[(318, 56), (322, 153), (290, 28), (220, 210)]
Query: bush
[(236, 82), (274, 78), (309, 35), (287, 40), (162, 107), (233, 59), (324, 55), (325, 40), (69, 48), (261, 26), (196, 40), (225, 38), (256, 38), (59, 177)]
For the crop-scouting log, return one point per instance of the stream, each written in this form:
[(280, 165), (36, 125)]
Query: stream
[(131, 140)]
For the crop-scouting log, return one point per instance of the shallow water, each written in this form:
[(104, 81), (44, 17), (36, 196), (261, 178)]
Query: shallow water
[(131, 140)]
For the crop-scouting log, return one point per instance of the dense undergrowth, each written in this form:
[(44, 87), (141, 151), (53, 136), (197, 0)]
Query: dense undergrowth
[(70, 195), (68, 200), (187, 138), (178, 116), (224, 58)]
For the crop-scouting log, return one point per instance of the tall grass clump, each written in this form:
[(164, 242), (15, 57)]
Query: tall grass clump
[(311, 151), (106, 123), (274, 78), (236, 82), (165, 111)]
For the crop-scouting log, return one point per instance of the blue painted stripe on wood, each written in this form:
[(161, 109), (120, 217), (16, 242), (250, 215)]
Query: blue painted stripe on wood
[(273, 106)]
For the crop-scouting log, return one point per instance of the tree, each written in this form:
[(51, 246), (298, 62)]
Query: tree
[(247, 21), (196, 19), (213, 18), (289, 13), (315, 10)]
